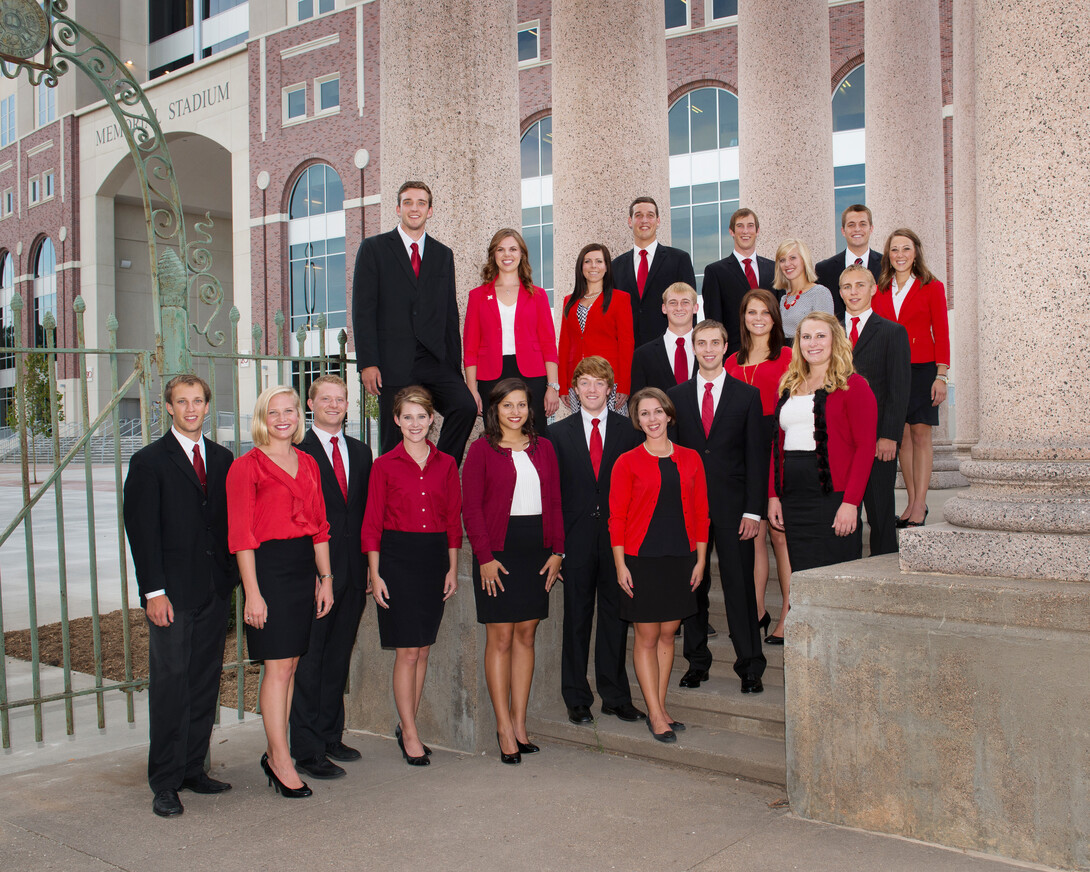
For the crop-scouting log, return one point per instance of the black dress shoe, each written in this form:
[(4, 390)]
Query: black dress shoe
[(677, 726), (204, 784), (526, 747), (666, 738), (319, 767), (580, 714), (693, 677), (765, 621), (397, 735), (625, 711), (752, 684), (509, 759), (773, 640), (166, 803), (712, 632), (340, 751)]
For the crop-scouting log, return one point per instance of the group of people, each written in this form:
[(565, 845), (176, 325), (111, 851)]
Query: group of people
[(780, 414)]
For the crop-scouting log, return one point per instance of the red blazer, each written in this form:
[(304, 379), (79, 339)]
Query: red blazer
[(535, 338), (608, 334), (923, 315), (488, 488), (634, 491), (851, 418)]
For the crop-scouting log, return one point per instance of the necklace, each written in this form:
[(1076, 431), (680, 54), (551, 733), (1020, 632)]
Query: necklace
[(798, 296), (754, 367)]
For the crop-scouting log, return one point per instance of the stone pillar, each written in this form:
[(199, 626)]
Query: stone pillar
[(610, 125), (785, 121), (449, 89)]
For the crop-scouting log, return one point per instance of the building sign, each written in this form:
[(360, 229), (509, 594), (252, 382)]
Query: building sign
[(197, 102)]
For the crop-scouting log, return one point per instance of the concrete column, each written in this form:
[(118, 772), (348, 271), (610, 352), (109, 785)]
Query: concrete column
[(610, 126), (785, 121)]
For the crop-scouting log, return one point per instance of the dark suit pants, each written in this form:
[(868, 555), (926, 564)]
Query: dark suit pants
[(317, 705), (740, 598), (879, 502), (591, 579), (185, 661)]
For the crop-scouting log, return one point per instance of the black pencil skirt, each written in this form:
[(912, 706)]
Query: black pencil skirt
[(660, 589), (808, 516), (523, 597), (920, 410), (413, 565), (285, 576)]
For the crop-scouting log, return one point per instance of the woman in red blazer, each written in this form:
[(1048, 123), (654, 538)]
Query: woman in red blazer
[(909, 294), (509, 329), (827, 424), (597, 321), (658, 528)]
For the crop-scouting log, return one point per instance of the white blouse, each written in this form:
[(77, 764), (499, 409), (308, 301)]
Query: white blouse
[(899, 294), (797, 423), (527, 497), (507, 325)]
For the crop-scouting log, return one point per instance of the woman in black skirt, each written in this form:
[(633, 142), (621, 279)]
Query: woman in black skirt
[(277, 530), (511, 485), (658, 527), (412, 530)]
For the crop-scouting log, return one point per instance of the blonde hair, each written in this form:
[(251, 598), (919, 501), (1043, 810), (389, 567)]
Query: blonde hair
[(259, 426), (840, 363), (683, 288), (780, 281), (316, 385)]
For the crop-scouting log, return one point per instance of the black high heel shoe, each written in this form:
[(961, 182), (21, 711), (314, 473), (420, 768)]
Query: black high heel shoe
[(509, 759), (765, 621), (422, 760), (279, 786), (526, 747), (397, 733)]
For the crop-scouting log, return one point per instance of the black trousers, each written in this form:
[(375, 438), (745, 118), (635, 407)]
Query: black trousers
[(185, 661), (537, 385), (878, 500), (740, 598), (452, 400), (317, 705), (593, 579)]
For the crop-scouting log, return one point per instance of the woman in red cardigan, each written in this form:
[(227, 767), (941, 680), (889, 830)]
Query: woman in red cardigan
[(827, 421), (909, 294), (511, 506), (509, 329), (597, 320), (658, 527)]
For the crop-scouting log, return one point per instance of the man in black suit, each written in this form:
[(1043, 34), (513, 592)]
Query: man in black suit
[(728, 280), (594, 433), (405, 321), (660, 362), (856, 226), (175, 507), (721, 418), (882, 355), (648, 269), (317, 705)]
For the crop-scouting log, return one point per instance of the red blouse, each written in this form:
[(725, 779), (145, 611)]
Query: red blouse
[(264, 502), (402, 496), (765, 376)]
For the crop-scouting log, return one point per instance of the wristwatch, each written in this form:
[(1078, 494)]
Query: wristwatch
[(554, 385)]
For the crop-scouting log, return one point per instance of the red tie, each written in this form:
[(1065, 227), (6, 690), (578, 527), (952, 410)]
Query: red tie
[(681, 365), (198, 467), (858, 261), (854, 335), (338, 468), (751, 276), (641, 273), (595, 446), (707, 409), (415, 259)]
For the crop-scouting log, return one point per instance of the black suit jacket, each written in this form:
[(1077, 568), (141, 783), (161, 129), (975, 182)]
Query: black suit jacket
[(883, 357), (345, 517), (584, 499), (829, 270), (668, 266), (725, 284), (393, 310), (734, 455), (652, 367), (176, 532)]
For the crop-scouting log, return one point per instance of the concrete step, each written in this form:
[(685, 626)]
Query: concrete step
[(722, 652), (710, 748)]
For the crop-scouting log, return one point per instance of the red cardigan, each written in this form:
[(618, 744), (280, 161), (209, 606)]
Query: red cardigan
[(851, 418), (488, 488), (608, 334), (634, 491), (923, 315), (535, 337)]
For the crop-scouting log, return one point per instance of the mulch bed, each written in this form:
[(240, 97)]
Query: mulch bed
[(51, 652)]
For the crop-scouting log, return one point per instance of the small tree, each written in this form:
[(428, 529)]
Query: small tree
[(36, 394)]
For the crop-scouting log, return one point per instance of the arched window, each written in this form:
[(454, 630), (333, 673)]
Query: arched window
[(7, 315), (316, 250), (537, 200), (703, 174), (849, 143), (45, 288)]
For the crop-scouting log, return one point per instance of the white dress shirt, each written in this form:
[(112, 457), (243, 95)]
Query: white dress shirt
[(187, 446), (507, 325), (862, 316), (717, 391), (327, 446), (899, 294), (408, 242), (752, 262), (670, 341), (849, 258), (651, 249), (588, 427)]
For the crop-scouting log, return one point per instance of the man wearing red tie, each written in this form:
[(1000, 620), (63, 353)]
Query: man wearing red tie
[(856, 226), (668, 360), (587, 444)]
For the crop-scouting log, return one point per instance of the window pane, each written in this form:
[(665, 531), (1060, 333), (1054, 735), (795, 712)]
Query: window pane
[(330, 93), (316, 200), (703, 116), (856, 174), (530, 152), (527, 44), (546, 146), (298, 207), (677, 14), (545, 277), (334, 191), (679, 126), (306, 9), (325, 5), (728, 119), (297, 103), (848, 102), (724, 8), (706, 193)]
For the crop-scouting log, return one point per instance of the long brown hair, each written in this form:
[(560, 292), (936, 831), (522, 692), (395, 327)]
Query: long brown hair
[(493, 432), (919, 267), (581, 280), (489, 271), (775, 337)]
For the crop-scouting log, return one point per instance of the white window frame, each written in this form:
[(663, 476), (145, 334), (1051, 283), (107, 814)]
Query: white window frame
[(7, 203), (681, 28), (5, 116), (284, 94), (331, 110), (49, 184), (709, 19), (50, 105), (316, 4), (530, 25), (34, 190)]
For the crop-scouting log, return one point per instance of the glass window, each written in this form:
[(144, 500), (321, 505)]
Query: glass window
[(849, 143), (35, 190), (295, 102), (7, 203), (7, 315), (329, 94), (316, 256), (168, 16), (45, 288), (528, 45), (718, 9), (537, 200), (677, 13), (47, 104), (7, 121), (47, 184), (215, 7), (307, 8)]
